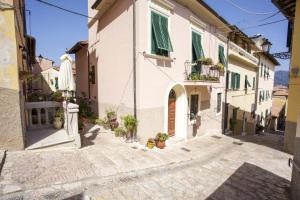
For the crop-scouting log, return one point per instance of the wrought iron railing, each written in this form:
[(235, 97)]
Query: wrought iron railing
[(199, 72)]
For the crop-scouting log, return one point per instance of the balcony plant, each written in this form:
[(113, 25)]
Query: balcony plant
[(219, 67), (205, 61), (130, 123), (160, 140), (58, 118), (150, 143)]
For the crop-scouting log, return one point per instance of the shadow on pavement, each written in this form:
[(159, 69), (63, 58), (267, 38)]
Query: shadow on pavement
[(273, 141), (252, 182)]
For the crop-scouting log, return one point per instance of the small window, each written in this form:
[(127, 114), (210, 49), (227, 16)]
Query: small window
[(160, 38), (261, 69), (219, 102), (194, 106), (253, 83)]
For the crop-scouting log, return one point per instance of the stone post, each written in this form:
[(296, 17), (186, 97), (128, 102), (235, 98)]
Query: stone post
[(71, 121)]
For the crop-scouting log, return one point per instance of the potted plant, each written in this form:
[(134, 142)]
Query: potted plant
[(58, 119), (205, 61), (150, 143), (120, 132), (160, 140), (112, 119), (130, 124), (219, 67)]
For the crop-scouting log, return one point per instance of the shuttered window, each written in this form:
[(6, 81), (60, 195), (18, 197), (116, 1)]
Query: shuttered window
[(247, 83), (235, 80), (197, 49), (253, 83), (222, 55), (261, 69), (160, 40)]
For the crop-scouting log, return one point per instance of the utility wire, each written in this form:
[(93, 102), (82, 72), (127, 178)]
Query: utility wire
[(64, 9), (265, 24), (250, 12)]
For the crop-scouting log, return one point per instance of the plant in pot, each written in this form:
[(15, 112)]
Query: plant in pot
[(160, 140), (112, 119), (120, 132), (150, 143), (130, 124), (205, 61), (219, 67), (58, 118)]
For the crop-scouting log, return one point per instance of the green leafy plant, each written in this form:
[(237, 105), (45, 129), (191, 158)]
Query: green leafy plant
[(59, 113), (130, 123), (57, 96), (161, 137), (219, 67), (120, 132), (111, 116), (205, 61), (103, 122)]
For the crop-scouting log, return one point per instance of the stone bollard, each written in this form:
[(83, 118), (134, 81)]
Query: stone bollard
[(71, 121)]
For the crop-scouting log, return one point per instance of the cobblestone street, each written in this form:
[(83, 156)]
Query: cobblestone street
[(208, 167)]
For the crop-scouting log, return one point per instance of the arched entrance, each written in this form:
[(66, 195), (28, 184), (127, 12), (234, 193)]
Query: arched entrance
[(171, 113), (175, 118)]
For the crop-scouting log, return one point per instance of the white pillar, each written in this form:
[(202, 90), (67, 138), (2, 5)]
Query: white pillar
[(71, 121)]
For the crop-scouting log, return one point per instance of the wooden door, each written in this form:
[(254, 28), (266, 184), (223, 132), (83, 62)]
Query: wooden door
[(171, 113)]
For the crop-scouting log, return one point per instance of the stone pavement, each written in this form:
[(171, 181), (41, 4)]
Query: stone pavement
[(212, 167)]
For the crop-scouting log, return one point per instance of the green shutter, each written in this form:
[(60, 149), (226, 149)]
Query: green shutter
[(222, 55), (247, 83), (197, 47), (261, 69), (161, 37), (232, 80), (238, 79), (253, 84)]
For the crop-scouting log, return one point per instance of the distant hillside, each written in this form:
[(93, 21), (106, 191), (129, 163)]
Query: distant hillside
[(281, 78)]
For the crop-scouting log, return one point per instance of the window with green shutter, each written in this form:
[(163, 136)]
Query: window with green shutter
[(222, 55), (232, 80), (253, 83), (197, 50), (247, 83), (238, 80), (265, 71), (160, 38), (261, 69)]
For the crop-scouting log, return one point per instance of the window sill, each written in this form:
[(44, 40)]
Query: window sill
[(158, 57)]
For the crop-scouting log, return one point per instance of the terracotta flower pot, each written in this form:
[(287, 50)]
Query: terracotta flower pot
[(160, 144)]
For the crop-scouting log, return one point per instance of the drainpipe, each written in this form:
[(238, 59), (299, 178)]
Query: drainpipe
[(134, 59), (256, 93), (226, 86)]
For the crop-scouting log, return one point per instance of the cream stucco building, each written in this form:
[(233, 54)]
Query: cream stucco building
[(144, 57)]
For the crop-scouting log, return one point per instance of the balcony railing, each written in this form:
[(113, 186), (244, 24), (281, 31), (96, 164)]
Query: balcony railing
[(198, 72), (40, 114), (242, 52)]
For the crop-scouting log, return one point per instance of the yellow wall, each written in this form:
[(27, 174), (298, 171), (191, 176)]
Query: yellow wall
[(294, 86), (8, 51)]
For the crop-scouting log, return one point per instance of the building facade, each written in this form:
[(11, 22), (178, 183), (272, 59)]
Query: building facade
[(241, 84), (150, 70), (16, 55)]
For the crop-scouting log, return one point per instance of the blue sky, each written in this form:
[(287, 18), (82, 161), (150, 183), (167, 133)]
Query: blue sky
[(56, 30)]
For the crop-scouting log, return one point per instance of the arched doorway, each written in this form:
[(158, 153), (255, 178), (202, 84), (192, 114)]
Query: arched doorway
[(175, 111), (171, 113)]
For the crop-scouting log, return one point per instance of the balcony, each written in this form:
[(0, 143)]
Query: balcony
[(201, 74), (241, 54)]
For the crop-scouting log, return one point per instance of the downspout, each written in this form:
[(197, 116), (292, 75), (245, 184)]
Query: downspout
[(88, 74), (256, 94), (134, 60), (226, 86)]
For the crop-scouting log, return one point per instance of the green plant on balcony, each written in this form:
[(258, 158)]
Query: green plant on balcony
[(205, 61), (219, 67)]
